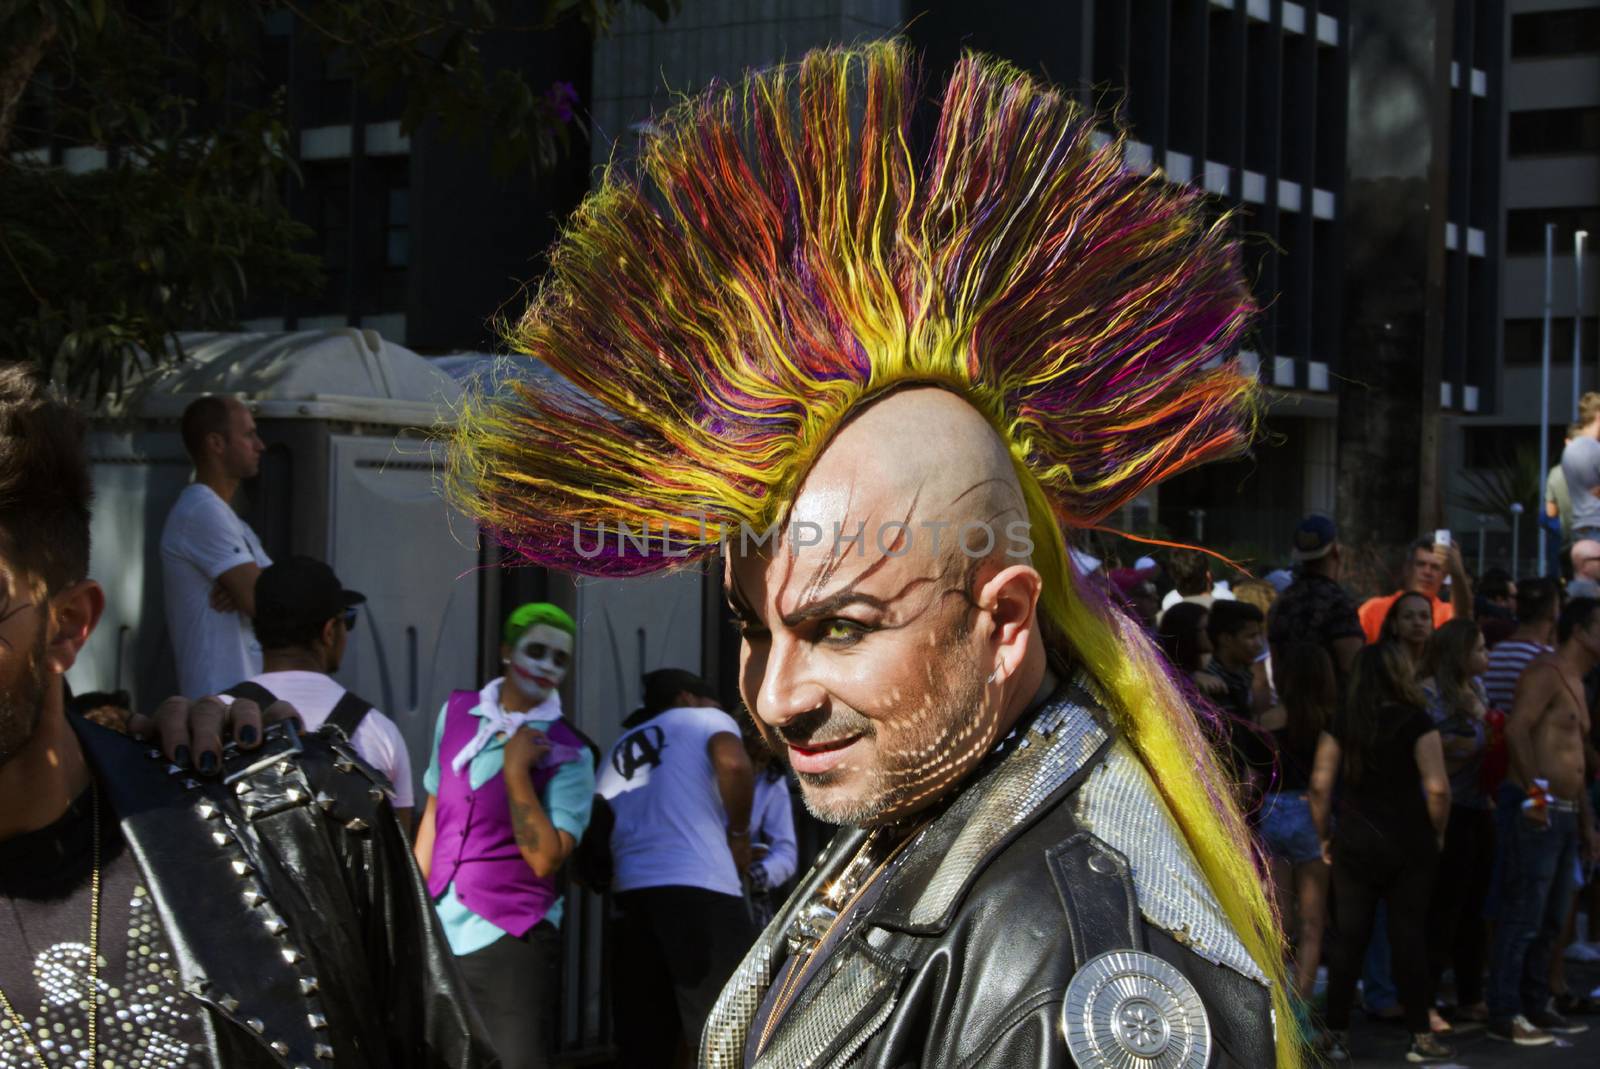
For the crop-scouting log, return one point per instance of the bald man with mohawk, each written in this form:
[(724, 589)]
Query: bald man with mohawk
[(883, 384)]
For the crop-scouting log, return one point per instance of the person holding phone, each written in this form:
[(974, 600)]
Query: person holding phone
[(1428, 562)]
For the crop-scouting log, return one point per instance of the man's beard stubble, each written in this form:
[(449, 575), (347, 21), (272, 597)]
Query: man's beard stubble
[(22, 705), (931, 753)]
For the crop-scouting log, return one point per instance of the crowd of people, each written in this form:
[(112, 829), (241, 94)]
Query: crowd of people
[(687, 821), (1038, 863), (1419, 769)]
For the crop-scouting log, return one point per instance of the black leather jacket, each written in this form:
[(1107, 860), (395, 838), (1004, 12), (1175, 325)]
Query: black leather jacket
[(296, 915), (1055, 853)]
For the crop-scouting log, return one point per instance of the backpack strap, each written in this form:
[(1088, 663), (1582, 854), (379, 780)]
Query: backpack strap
[(348, 713), (252, 691)]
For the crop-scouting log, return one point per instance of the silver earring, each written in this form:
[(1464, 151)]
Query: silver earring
[(993, 675)]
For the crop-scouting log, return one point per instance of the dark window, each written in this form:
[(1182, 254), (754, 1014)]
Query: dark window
[(397, 229), (1525, 341), (1525, 228), (1494, 447), (1186, 104), (1554, 131), (386, 235), (1224, 99), (1111, 51), (326, 209), (328, 102), (1149, 70), (1555, 33)]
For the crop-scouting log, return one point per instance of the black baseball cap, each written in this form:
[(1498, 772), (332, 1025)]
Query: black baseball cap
[(1315, 535), (302, 590)]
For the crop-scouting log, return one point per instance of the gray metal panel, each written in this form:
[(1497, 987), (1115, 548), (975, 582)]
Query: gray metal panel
[(137, 474), (393, 539), (627, 627)]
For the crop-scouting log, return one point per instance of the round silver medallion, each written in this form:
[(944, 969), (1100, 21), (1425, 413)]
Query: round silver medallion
[(1130, 1010)]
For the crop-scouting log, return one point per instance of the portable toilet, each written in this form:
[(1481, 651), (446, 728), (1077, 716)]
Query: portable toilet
[(626, 627), (350, 476)]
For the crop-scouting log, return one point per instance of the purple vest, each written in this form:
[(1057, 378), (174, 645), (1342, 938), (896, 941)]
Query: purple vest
[(474, 845)]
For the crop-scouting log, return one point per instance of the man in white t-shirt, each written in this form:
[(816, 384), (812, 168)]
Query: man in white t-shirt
[(679, 785), (209, 556), (1190, 570), (304, 617)]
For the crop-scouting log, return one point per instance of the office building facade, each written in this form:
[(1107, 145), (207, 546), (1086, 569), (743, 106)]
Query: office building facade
[(1551, 107)]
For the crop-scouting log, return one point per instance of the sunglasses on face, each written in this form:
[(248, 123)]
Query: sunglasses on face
[(350, 618)]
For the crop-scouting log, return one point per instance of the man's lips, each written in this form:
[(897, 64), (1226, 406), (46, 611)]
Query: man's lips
[(813, 756)]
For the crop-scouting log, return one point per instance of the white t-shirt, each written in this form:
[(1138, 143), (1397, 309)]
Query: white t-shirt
[(772, 823), (377, 738), (671, 829), (1219, 592), (203, 538)]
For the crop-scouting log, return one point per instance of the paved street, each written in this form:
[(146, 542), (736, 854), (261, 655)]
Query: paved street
[(1376, 1046)]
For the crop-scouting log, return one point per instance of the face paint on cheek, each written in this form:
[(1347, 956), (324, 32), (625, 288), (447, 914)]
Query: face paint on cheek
[(540, 661), (538, 669), (920, 745)]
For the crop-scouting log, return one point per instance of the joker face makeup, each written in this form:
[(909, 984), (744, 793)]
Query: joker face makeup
[(539, 661)]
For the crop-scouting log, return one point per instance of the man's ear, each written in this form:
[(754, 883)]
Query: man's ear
[(73, 615), (1011, 599), (330, 636)]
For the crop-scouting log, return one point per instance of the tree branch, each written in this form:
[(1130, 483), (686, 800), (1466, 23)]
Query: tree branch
[(16, 71)]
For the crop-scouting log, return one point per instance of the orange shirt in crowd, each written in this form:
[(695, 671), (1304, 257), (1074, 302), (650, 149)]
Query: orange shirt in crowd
[(1373, 610)]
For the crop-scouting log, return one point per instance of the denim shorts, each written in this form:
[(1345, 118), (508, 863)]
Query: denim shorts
[(1286, 827)]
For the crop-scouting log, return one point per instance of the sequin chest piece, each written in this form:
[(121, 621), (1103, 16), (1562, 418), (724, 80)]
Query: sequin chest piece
[(144, 1011)]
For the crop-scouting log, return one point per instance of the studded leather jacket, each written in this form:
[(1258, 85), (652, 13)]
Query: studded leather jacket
[(296, 916), (1050, 915)]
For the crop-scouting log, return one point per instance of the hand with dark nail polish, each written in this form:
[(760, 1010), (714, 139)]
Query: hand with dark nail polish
[(208, 762), (180, 756)]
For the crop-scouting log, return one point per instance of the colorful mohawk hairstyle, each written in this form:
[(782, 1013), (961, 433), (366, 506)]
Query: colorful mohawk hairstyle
[(780, 258)]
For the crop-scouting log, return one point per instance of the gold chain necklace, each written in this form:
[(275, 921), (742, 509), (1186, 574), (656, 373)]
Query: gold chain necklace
[(94, 955)]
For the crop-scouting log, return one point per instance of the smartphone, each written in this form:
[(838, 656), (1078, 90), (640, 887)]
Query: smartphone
[(1441, 537)]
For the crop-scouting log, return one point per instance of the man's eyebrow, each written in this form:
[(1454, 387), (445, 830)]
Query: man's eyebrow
[(829, 605)]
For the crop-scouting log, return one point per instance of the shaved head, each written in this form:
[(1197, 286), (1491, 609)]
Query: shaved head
[(890, 631)]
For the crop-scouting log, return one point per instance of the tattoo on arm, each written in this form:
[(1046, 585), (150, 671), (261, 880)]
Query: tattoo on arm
[(524, 823)]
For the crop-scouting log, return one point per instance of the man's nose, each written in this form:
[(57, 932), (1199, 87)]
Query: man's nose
[(786, 690)]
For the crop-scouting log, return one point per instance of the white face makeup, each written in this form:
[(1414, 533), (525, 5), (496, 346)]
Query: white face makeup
[(540, 660)]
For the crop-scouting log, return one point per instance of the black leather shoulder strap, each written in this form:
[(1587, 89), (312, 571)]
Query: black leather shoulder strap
[(252, 691), (1097, 896), (348, 713)]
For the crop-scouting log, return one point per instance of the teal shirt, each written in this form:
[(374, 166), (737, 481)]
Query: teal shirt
[(566, 800)]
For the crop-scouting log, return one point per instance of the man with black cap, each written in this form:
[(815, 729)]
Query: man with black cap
[(303, 620), (1315, 608)]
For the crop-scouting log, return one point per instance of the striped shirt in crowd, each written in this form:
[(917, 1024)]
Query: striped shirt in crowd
[(1506, 662)]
